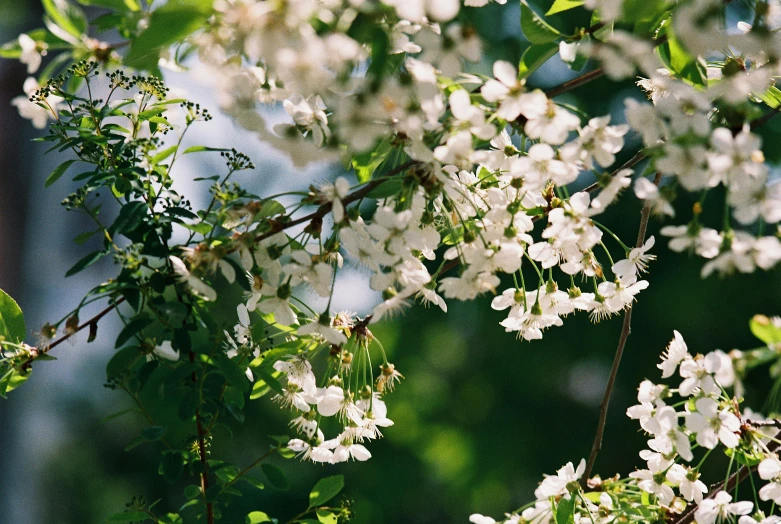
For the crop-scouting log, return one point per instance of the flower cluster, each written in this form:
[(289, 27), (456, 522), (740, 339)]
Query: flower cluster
[(694, 416), (349, 394)]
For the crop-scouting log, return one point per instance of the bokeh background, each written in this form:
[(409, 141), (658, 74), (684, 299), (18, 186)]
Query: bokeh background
[(479, 417)]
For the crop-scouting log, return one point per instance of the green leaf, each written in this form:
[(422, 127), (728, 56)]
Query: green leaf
[(565, 511), (130, 217), (170, 518), (172, 22), (235, 375), (535, 29), (743, 458), (85, 262), (764, 329), (12, 326), (325, 489), (326, 517), (386, 189), (116, 5), (58, 172), (172, 466), (188, 405), (772, 97), (535, 56), (269, 379), (256, 517), (83, 237), (365, 164), (66, 16), (252, 481), (259, 389), (12, 380), (202, 149), (646, 14), (153, 433), (270, 208), (121, 361), (162, 155), (563, 5), (192, 491), (131, 329), (129, 516), (275, 476), (680, 61)]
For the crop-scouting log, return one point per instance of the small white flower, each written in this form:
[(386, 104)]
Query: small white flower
[(553, 486), (636, 261), (712, 425), (721, 507), (648, 191), (617, 183), (688, 482), (335, 193), (676, 352), (323, 329), (196, 285), (32, 52)]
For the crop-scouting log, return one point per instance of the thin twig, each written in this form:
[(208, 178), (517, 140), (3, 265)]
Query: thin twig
[(93, 321), (632, 162), (578, 81), (349, 199), (250, 467), (585, 78), (202, 450), (626, 329), (764, 119)]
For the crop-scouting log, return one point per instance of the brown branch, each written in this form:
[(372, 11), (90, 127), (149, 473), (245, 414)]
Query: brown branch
[(91, 322), (249, 468), (764, 119), (585, 78), (202, 450), (578, 81), (324, 209), (594, 28), (626, 329)]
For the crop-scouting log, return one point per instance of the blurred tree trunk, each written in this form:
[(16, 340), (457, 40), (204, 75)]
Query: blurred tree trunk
[(16, 174)]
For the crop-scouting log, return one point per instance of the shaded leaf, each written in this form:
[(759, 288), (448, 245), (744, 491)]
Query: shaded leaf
[(535, 29), (325, 489), (172, 22), (12, 326), (58, 172), (129, 516), (534, 56), (276, 477), (66, 16), (85, 262)]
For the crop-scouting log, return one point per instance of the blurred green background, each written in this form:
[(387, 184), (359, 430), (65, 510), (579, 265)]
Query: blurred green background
[(478, 419)]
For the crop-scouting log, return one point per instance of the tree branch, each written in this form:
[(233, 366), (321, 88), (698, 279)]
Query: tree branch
[(93, 321), (324, 209), (202, 449), (585, 78), (632, 162), (626, 329)]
